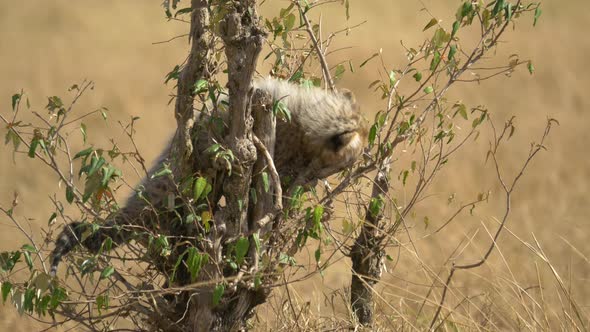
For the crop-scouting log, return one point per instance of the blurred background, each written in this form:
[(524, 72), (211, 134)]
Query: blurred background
[(45, 47)]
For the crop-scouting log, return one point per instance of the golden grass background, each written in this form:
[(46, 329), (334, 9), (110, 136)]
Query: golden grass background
[(47, 46)]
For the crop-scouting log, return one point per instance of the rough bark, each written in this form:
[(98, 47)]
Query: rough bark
[(265, 206), (243, 42), (367, 255), (194, 69)]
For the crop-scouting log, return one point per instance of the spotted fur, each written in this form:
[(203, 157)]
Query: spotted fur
[(326, 134)]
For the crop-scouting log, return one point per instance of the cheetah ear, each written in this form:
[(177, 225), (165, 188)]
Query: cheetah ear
[(351, 98), (349, 95)]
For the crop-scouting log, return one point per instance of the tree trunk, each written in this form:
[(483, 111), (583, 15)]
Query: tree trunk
[(243, 43), (367, 254)]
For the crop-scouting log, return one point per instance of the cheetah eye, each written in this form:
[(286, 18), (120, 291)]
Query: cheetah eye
[(338, 141)]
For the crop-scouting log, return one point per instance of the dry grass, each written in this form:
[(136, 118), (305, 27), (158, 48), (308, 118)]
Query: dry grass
[(47, 47)]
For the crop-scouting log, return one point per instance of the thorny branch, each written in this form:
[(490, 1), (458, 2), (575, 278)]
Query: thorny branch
[(508, 190)]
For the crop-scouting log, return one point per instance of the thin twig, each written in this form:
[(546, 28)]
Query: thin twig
[(508, 193), (28, 236), (318, 49), (273, 172)]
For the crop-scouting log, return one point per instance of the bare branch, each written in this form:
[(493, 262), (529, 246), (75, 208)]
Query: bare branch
[(318, 48)]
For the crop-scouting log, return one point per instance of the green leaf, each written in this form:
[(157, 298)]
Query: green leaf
[(15, 99), (257, 281), (465, 10), (233, 265), (435, 61), (296, 198), (530, 67), (242, 246), (201, 86), (8, 260), (403, 127), (84, 153), (163, 172), (369, 59), (417, 76), (538, 13), (462, 110), (107, 272), (265, 181), (405, 174), (280, 109), (92, 187), (430, 24), (163, 245), (175, 268), (6, 288), (28, 247), (297, 76), (33, 147), (256, 239), (173, 75), (318, 255), (54, 103), (18, 299), (347, 7), (498, 7), (183, 11), (289, 22), (199, 188), (218, 293), (339, 71), (69, 194), (213, 148), (347, 227), (486, 15), (95, 165), (28, 259), (58, 295), (318, 213), (42, 281), (111, 174), (84, 132), (103, 113), (286, 259), (52, 218), (195, 262), (284, 11), (428, 90), (478, 121), (456, 27), (392, 78), (377, 85), (440, 37), (28, 302), (508, 10), (375, 206), (102, 302), (11, 135), (107, 244), (452, 51), (372, 134)]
